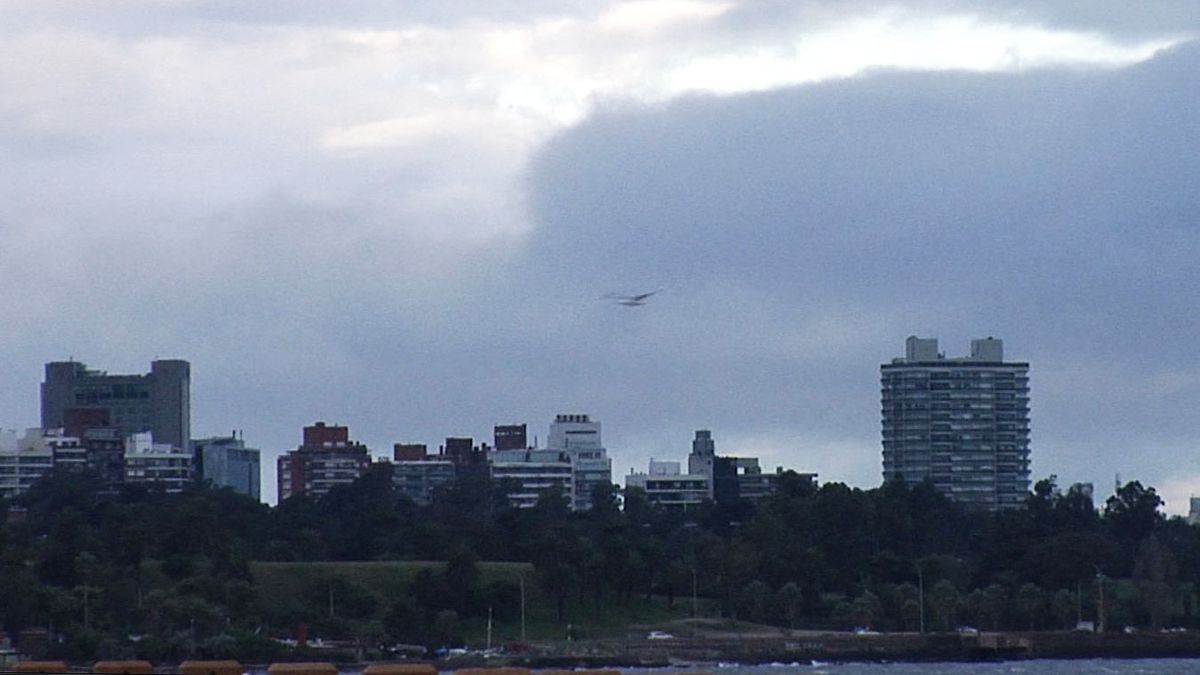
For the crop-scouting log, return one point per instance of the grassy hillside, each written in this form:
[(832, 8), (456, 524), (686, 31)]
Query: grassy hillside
[(354, 597)]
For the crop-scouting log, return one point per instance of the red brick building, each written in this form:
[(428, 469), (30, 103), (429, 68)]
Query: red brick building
[(326, 458)]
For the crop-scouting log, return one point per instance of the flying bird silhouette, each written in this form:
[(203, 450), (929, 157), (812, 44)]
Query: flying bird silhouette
[(632, 300)]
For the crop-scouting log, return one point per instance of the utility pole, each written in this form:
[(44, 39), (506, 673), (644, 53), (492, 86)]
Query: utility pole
[(1078, 602), (522, 579), (695, 612), (489, 631), (1100, 602), (921, 594)]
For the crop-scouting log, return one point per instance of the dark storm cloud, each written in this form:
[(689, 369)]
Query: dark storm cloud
[(1055, 210)]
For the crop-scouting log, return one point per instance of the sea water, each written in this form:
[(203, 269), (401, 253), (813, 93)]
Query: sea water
[(1025, 667), (1031, 667)]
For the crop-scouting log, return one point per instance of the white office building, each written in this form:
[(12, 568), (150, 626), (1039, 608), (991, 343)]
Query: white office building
[(666, 485), (161, 465), (528, 474), (579, 437), (23, 460)]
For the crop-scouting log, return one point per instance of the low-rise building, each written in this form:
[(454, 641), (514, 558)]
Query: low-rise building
[(710, 477), (69, 451), (528, 474), (160, 465), (416, 474), (23, 460), (106, 456), (666, 485), (225, 461)]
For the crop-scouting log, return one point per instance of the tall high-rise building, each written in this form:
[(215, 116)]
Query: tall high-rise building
[(579, 436), (960, 423), (158, 401)]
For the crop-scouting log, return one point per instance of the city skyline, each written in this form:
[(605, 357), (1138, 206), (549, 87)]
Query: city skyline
[(406, 219), (923, 360)]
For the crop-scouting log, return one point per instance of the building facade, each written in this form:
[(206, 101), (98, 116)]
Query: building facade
[(418, 479), (326, 458), (960, 423), (106, 456), (579, 437), (528, 474), (160, 465), (23, 461), (666, 485), (158, 402), (416, 474), (710, 477), (510, 437), (225, 461)]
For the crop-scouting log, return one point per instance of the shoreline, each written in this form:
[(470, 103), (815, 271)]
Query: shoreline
[(709, 651), (832, 647)]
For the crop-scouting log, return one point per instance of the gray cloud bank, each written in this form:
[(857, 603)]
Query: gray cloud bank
[(804, 233), (1113, 17)]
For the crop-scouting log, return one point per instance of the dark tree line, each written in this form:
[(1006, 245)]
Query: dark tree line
[(173, 570)]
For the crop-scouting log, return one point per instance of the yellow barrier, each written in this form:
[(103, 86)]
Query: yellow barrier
[(211, 668), (302, 669), (40, 667), (123, 668), (400, 669)]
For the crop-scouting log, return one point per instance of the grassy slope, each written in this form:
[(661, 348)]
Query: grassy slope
[(282, 583)]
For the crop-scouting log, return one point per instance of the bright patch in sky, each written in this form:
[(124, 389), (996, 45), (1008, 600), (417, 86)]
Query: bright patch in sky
[(648, 16), (552, 72)]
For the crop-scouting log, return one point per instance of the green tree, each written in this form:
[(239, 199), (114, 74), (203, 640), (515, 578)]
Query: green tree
[(755, 597), (1031, 600), (906, 598), (943, 599), (404, 621), (1154, 570), (462, 581), (446, 628), (790, 600), (1132, 514), (1064, 605), (867, 609)]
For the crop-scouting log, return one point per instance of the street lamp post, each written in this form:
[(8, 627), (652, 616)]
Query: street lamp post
[(920, 593), (695, 613), (522, 580)]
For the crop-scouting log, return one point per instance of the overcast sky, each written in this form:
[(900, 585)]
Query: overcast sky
[(402, 217)]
